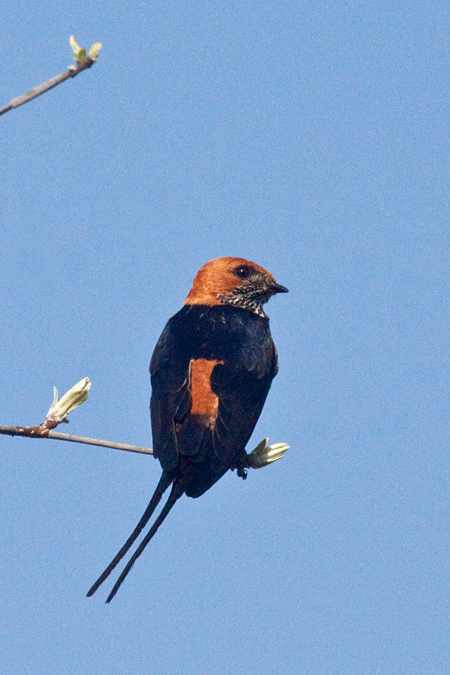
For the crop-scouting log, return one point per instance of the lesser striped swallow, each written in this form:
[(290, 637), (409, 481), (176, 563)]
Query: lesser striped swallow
[(211, 371)]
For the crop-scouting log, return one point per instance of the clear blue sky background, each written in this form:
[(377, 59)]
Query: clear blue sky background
[(313, 138)]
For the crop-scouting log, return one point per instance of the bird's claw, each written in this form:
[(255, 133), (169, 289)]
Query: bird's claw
[(242, 472)]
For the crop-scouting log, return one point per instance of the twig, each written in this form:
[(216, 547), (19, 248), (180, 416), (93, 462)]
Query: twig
[(52, 82), (82, 62), (57, 414), (39, 432), (262, 455)]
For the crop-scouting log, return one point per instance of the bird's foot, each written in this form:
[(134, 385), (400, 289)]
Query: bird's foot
[(242, 473), (241, 466)]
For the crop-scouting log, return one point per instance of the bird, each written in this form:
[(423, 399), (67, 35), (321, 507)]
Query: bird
[(210, 372)]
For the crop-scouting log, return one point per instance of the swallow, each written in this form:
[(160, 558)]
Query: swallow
[(210, 372)]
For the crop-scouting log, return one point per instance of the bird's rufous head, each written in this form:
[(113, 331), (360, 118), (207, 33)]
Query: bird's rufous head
[(233, 281)]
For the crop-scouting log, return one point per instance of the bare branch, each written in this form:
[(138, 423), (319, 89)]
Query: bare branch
[(41, 432), (82, 62), (262, 455)]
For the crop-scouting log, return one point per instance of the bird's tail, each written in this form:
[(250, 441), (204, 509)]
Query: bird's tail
[(175, 494), (164, 482)]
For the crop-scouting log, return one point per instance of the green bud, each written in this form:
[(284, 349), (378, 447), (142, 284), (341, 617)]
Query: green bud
[(265, 454), (71, 400)]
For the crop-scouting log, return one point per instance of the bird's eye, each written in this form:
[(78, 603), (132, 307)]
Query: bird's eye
[(243, 271)]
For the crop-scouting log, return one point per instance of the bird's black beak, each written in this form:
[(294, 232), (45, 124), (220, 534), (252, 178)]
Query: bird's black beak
[(278, 288)]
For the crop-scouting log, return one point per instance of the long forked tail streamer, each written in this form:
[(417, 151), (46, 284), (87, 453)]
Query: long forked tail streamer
[(162, 486), (176, 493)]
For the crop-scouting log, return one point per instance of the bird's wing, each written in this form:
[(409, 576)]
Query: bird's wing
[(241, 389), (242, 395), (170, 400)]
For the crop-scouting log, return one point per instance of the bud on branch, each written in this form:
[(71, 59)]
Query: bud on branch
[(72, 399), (262, 455)]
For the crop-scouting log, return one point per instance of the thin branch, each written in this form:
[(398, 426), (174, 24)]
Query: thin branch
[(57, 414), (40, 432), (80, 65), (262, 455)]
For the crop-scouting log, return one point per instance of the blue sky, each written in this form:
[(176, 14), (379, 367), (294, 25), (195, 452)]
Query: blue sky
[(312, 138)]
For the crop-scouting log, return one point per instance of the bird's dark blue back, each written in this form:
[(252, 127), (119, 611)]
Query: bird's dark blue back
[(239, 347)]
